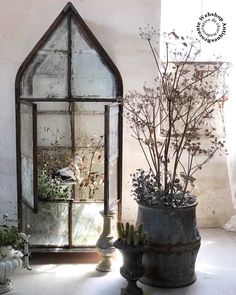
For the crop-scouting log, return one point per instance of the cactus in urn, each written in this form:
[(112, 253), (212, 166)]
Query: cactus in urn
[(132, 235)]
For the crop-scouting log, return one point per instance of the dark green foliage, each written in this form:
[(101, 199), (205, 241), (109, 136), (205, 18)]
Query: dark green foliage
[(8, 234), (147, 191), (51, 188)]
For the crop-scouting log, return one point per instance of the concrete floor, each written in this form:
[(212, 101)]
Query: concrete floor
[(215, 267)]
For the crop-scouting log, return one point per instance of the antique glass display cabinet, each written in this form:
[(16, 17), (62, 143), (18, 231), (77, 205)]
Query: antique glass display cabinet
[(69, 136)]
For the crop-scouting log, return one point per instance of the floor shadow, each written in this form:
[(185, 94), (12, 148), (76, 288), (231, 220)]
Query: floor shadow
[(64, 258)]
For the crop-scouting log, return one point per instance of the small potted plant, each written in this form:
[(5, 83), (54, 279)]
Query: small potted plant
[(131, 243), (177, 124), (10, 257)]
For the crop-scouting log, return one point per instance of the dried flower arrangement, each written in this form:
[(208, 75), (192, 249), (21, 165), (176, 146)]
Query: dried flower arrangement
[(174, 122)]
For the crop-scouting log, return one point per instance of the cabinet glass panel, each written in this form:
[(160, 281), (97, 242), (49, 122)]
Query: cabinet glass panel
[(87, 223), (49, 227), (89, 145), (91, 78), (27, 154), (46, 74), (111, 155)]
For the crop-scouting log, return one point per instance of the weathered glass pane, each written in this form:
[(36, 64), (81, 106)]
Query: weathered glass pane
[(89, 144), (87, 223), (54, 129), (90, 76), (46, 75), (27, 179), (49, 227), (52, 106), (91, 183), (112, 149), (90, 108), (54, 141), (89, 129), (113, 182), (113, 132), (89, 122)]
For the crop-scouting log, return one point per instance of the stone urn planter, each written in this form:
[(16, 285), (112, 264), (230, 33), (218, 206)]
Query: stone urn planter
[(10, 261), (131, 243), (174, 241), (132, 268)]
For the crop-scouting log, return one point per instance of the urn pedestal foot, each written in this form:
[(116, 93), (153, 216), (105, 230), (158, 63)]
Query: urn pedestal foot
[(105, 264), (131, 289), (6, 286)]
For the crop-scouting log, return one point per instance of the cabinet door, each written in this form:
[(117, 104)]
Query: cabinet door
[(28, 154), (112, 158)]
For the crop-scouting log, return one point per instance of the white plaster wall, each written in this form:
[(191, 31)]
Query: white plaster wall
[(115, 24)]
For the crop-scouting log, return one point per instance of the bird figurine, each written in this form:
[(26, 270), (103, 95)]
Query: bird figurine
[(72, 172)]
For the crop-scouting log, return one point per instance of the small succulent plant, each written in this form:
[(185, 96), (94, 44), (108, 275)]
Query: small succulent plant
[(132, 235)]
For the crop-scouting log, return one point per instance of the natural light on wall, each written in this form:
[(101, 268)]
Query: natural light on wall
[(182, 16)]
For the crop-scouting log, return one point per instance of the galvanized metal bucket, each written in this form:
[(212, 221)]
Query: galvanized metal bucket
[(174, 241)]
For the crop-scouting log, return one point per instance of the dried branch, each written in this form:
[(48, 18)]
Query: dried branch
[(182, 108)]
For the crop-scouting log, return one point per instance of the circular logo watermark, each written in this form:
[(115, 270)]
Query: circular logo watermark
[(211, 27)]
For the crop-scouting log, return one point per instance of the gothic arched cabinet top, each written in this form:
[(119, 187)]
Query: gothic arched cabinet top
[(68, 63)]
